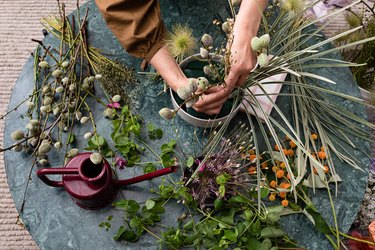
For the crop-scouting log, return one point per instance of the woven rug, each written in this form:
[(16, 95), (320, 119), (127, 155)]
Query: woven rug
[(19, 22)]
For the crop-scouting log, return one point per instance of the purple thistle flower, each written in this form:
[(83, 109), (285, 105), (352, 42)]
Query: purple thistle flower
[(121, 162)]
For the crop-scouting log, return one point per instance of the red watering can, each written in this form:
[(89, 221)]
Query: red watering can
[(92, 186)]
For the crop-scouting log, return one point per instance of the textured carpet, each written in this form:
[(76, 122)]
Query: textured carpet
[(19, 22)]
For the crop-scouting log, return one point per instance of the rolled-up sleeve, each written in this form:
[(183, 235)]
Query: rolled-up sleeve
[(137, 24)]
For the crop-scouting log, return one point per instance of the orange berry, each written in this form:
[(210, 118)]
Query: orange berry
[(282, 195), (290, 152), (264, 165), (292, 144), (275, 168), (285, 185), (252, 157), (273, 184), (284, 203), (322, 155), (282, 165), (276, 147), (252, 170), (322, 148), (280, 173), (251, 151), (285, 151), (314, 136), (288, 176), (272, 197), (326, 169)]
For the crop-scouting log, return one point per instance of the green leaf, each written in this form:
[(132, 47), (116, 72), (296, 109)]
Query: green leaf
[(271, 232), (275, 209), (264, 192), (228, 216), (218, 203), (230, 235), (320, 223), (158, 133), (253, 244), (172, 143), (71, 138), (135, 222), (149, 168), (97, 140), (189, 225), (150, 204), (190, 162), (238, 199), (125, 110), (119, 233)]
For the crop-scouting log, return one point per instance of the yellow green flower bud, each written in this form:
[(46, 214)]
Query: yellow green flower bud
[(263, 60), (43, 64), (57, 73), (65, 80), (17, 148), (30, 104), (78, 115), (17, 135), (65, 64), (207, 70)]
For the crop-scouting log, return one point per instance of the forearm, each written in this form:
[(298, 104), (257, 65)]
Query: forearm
[(249, 17)]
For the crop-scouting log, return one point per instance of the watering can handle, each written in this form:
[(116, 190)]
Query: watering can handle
[(41, 173)]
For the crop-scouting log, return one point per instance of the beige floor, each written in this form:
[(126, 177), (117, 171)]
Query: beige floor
[(19, 22)]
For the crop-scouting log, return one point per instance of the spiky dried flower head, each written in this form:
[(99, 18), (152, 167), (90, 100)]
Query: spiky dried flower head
[(180, 41)]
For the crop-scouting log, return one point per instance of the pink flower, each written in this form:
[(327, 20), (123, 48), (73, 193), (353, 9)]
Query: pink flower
[(115, 105), (121, 162)]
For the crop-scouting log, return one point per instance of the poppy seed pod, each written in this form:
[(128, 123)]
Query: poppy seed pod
[(73, 152), (207, 40), (47, 101), (57, 73), (263, 60), (226, 27), (184, 93), (43, 64), (65, 80), (44, 148), (78, 115), (98, 76), (17, 135), (29, 126), (59, 89), (84, 119), (42, 162), (87, 136), (56, 111), (166, 113), (116, 98), (265, 40), (204, 53), (256, 44), (96, 158)]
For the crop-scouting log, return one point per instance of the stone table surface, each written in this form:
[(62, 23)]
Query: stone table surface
[(55, 222)]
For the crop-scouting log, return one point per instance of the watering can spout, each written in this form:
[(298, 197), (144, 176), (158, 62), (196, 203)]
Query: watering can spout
[(148, 176)]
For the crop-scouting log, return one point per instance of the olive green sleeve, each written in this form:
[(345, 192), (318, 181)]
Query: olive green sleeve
[(137, 24)]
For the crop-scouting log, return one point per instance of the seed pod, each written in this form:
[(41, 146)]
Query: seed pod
[(202, 83), (207, 70), (56, 111), (57, 145), (256, 44), (263, 60), (42, 162), (34, 122), (193, 85), (191, 102), (109, 113), (116, 98), (46, 89), (17, 148), (43, 135), (84, 119), (204, 53), (85, 86), (72, 87), (73, 152), (207, 40), (45, 109), (29, 126), (184, 93), (33, 142), (91, 79), (30, 104), (47, 101), (44, 148), (265, 40), (57, 73), (17, 135), (226, 27), (65, 64), (43, 64), (65, 80), (166, 113), (88, 135), (59, 89), (96, 158), (78, 115), (98, 76)]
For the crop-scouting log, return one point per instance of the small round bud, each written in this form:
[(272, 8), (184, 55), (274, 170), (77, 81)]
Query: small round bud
[(17, 148), (43, 64), (57, 145), (78, 115), (91, 79), (33, 141), (72, 87), (29, 126), (204, 53), (46, 89), (263, 60), (184, 93), (45, 109), (116, 98), (265, 40), (42, 162), (207, 40), (34, 122), (98, 76), (73, 152), (84, 119), (65, 64), (65, 80), (96, 158), (166, 113), (17, 135), (44, 148), (85, 86), (56, 111), (88, 135), (202, 83), (256, 44), (57, 73), (109, 113)]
